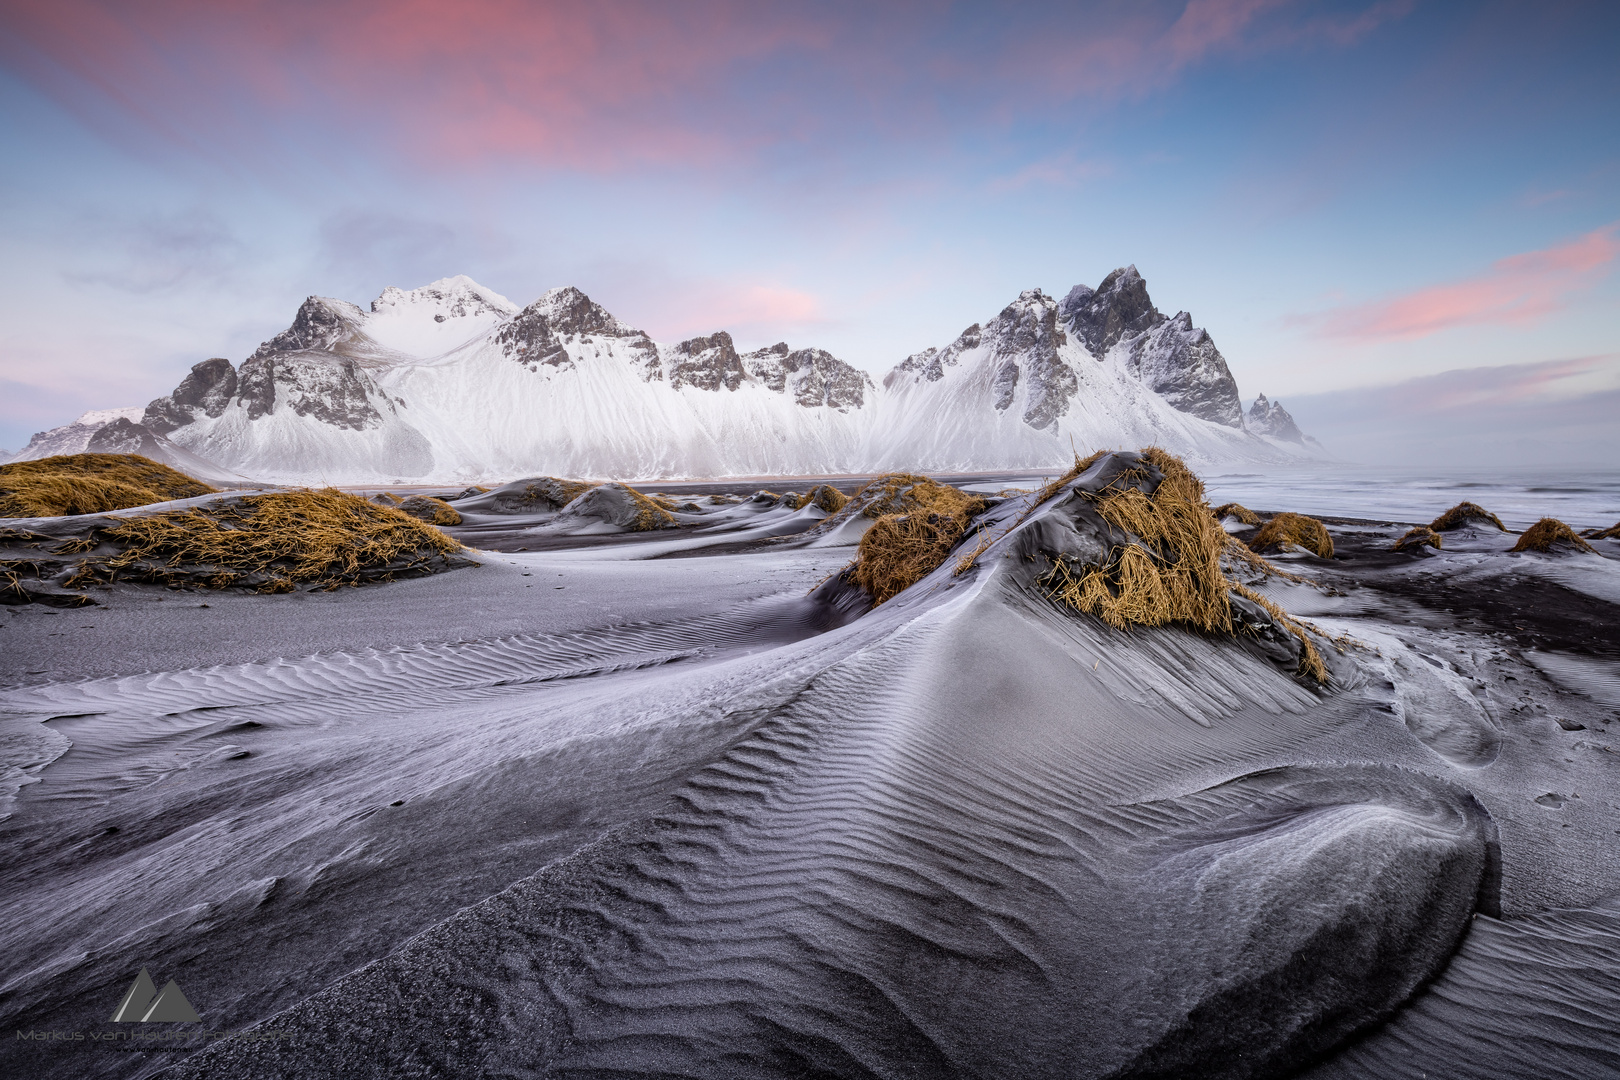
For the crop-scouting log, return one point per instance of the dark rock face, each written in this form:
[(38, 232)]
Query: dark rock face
[(529, 339), (1027, 334), (1270, 418), (572, 312), (1177, 360), (1181, 364), (707, 363), (332, 389), (815, 377), (768, 365), (1006, 385), (125, 437), (536, 335), (931, 363), (318, 327), (1025, 338), (209, 387), (1116, 309)]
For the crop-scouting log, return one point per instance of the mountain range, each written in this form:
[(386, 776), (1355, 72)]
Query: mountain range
[(453, 383)]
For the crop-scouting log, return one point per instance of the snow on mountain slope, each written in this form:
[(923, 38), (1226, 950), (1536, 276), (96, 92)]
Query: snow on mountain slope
[(1027, 391), (452, 382), (72, 438)]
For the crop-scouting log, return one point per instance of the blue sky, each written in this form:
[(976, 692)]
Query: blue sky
[(1347, 195)]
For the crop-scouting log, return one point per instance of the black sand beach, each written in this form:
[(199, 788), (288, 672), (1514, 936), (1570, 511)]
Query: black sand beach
[(674, 804)]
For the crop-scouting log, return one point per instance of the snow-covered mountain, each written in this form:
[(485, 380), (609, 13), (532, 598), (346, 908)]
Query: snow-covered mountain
[(73, 438), (1270, 418), (453, 382)]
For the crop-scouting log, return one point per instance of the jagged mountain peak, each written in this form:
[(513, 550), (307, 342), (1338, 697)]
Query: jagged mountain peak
[(1114, 310), (416, 388), (1270, 418), (569, 311), (452, 297), (322, 323)]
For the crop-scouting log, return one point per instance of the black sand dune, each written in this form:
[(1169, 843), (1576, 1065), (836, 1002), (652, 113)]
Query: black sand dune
[(965, 833)]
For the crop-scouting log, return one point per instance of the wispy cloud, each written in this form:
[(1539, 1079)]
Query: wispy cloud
[(157, 253), (603, 86), (1518, 289)]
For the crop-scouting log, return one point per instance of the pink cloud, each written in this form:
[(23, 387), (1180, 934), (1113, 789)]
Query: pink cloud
[(1518, 289), (600, 85), (771, 310), (572, 83)]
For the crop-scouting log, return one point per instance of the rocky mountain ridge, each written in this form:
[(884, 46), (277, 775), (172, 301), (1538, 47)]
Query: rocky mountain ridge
[(452, 381)]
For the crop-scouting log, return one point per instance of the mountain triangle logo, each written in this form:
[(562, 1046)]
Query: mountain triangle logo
[(145, 1004)]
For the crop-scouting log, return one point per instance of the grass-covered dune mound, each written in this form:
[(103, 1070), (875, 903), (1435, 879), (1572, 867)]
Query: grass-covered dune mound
[(826, 497), (1293, 530), (1126, 538), (421, 507), (1236, 510), (73, 484), (269, 543), (1465, 513), (1420, 537), (923, 522), (533, 495), (1551, 535)]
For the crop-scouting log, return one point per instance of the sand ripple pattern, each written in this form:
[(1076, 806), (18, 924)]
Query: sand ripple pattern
[(403, 676), (930, 864)]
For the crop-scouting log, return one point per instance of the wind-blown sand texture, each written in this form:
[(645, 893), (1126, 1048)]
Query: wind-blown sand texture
[(686, 803)]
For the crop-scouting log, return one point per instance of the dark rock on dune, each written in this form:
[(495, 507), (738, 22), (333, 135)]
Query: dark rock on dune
[(536, 494), (615, 505)]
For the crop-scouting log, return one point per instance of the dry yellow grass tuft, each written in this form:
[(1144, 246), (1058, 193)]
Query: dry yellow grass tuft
[(1548, 532), (1297, 529), (1462, 514), (89, 484), (902, 548), (280, 540), (650, 513), (1173, 574), (825, 496), (1611, 533), (433, 511), (1417, 537), (1237, 510), (1080, 465)]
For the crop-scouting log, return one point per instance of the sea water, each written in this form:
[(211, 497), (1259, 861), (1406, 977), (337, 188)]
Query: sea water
[(1581, 497)]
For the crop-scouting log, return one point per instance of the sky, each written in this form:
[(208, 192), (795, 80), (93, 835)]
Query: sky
[(1394, 213)]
